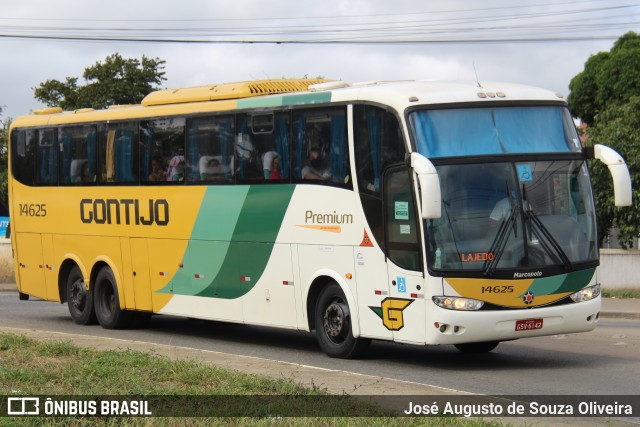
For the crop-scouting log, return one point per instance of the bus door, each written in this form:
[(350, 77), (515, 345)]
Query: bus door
[(403, 312), (30, 266)]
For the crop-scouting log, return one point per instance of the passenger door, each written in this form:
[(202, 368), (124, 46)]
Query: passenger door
[(404, 311)]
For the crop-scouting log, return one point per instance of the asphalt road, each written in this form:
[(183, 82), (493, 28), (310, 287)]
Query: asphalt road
[(604, 361)]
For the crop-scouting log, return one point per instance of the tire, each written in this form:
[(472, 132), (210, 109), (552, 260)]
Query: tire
[(333, 325), (23, 297), (79, 300), (107, 303), (477, 347)]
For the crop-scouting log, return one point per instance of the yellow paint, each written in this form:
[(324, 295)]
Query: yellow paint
[(506, 293), (88, 243)]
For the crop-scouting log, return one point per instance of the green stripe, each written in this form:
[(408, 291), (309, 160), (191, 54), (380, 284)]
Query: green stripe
[(232, 238), (562, 283), (284, 100)]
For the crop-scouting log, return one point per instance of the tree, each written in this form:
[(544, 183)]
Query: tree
[(606, 96), (116, 81), (608, 78)]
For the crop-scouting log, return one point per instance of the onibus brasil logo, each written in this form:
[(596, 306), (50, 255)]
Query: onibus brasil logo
[(390, 311)]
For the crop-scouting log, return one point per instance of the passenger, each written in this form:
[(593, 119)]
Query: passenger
[(212, 171), (315, 169), (85, 174), (176, 169), (267, 160), (77, 167), (275, 169), (157, 171)]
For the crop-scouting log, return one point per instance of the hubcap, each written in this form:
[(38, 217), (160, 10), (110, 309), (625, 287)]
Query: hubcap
[(77, 294), (335, 321)]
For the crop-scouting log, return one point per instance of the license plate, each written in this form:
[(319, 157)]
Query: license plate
[(528, 324)]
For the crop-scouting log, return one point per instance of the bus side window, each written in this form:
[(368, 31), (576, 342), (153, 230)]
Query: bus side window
[(162, 151), (378, 143), (47, 157), (118, 153), (23, 155), (78, 153), (321, 152), (210, 156), (263, 142)]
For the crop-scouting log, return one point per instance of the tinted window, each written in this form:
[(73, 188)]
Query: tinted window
[(23, 154), (47, 157), (263, 146), (321, 152), (210, 155), (162, 154), (117, 153), (378, 143), (79, 149)]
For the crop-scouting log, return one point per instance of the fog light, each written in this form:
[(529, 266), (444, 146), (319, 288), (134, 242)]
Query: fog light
[(458, 303), (586, 294)]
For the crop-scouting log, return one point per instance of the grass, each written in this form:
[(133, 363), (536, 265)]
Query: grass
[(56, 368), (621, 293)]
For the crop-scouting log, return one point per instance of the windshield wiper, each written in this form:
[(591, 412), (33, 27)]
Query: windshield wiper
[(543, 235), (500, 241)]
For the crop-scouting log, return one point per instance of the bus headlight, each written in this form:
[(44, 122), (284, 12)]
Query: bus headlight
[(586, 294), (458, 303)]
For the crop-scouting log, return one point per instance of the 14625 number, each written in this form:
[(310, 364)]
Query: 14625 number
[(33, 209)]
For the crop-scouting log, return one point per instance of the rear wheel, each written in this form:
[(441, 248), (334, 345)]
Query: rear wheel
[(107, 302), (23, 297), (333, 325), (79, 299), (477, 347)]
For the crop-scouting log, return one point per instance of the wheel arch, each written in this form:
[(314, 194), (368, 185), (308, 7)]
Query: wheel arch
[(322, 279)]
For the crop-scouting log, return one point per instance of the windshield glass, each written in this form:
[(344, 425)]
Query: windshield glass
[(509, 215), (494, 130)]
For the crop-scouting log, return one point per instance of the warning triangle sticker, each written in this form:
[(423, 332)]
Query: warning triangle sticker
[(366, 241)]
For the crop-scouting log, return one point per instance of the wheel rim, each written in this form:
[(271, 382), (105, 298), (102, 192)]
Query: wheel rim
[(336, 321), (78, 294)]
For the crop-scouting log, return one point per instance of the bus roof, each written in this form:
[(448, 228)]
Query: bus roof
[(283, 92)]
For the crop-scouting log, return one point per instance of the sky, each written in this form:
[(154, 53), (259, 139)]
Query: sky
[(542, 43)]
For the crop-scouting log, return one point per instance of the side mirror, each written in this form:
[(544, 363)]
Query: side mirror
[(619, 172), (430, 197)]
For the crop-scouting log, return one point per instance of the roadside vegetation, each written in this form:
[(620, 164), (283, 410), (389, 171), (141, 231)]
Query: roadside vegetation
[(57, 368), (621, 293)]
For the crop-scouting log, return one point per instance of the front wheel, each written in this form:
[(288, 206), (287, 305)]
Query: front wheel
[(333, 325), (477, 347), (79, 299), (107, 302)]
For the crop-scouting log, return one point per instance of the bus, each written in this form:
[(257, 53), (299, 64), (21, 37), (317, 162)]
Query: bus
[(417, 212)]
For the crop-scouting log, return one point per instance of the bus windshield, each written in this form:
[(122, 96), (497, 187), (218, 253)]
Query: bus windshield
[(510, 215), (494, 130), (500, 215)]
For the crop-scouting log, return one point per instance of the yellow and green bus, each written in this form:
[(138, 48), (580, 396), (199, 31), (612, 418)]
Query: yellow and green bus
[(417, 212)]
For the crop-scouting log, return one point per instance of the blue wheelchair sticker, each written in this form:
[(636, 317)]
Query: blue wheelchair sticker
[(524, 173), (402, 285)]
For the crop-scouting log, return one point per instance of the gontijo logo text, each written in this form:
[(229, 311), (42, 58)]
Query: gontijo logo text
[(124, 211)]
